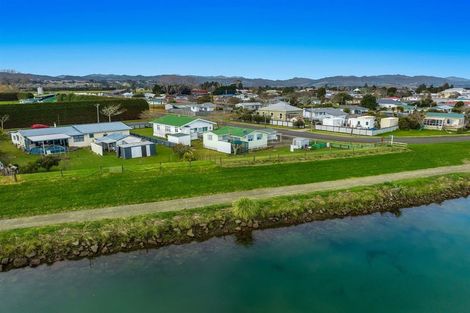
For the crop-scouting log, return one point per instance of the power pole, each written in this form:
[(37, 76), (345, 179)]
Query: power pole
[(97, 112)]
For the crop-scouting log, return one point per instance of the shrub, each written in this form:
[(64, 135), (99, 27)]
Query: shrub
[(46, 162), (246, 209), (181, 150)]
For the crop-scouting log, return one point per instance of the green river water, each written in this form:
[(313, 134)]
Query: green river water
[(417, 262)]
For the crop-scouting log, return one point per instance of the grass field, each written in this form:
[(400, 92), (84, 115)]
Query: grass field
[(100, 190), (423, 133)]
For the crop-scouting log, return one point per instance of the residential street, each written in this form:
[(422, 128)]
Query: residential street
[(217, 199), (343, 137)]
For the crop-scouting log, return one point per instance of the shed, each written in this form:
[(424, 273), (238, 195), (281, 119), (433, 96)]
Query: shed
[(180, 138), (299, 143), (136, 150), (388, 122)]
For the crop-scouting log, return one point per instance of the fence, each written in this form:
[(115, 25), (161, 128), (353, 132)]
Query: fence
[(356, 131), (137, 125), (158, 141), (282, 123)]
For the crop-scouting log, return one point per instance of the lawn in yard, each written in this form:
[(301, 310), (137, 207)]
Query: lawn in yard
[(423, 133), (69, 193)]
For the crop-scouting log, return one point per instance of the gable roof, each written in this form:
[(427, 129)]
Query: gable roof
[(281, 106), (233, 131), (101, 127), (112, 138), (330, 111), (177, 120), (444, 115), (67, 130)]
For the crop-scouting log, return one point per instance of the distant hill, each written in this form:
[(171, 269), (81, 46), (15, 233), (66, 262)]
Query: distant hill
[(340, 81)]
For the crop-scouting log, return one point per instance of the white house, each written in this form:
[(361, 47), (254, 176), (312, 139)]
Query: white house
[(451, 121), (173, 124), (204, 107), (252, 106), (364, 122), (321, 113), (59, 139), (235, 140)]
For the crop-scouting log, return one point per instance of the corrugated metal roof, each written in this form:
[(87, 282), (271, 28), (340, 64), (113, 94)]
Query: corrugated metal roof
[(68, 130), (101, 127), (233, 131), (445, 115), (281, 107)]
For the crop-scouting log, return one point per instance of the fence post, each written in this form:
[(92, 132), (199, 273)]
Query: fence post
[(122, 169), (15, 179)]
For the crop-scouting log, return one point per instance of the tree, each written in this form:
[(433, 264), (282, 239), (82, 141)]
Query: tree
[(204, 99), (369, 101), (112, 110), (157, 89), (3, 119), (342, 97), (182, 151), (321, 93), (392, 91), (459, 104)]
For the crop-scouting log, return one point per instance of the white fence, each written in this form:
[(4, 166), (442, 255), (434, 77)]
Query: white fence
[(96, 148), (282, 123), (356, 131)]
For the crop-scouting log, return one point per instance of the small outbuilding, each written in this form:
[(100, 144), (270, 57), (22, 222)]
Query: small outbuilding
[(388, 122), (180, 138), (299, 143), (136, 149)]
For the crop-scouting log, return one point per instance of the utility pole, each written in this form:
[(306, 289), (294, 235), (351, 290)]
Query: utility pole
[(97, 112)]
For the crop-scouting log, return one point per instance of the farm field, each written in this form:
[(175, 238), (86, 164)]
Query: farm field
[(138, 186)]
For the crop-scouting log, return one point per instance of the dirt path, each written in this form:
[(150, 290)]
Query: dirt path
[(223, 198)]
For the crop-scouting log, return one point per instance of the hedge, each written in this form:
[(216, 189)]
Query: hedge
[(63, 113), (14, 96)]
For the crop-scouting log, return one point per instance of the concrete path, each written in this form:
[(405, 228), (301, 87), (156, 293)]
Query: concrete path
[(216, 199)]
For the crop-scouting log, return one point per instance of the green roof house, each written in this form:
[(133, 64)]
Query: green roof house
[(235, 140), (440, 121), (177, 124)]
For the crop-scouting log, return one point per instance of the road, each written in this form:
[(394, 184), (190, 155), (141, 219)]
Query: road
[(410, 140), (218, 199)]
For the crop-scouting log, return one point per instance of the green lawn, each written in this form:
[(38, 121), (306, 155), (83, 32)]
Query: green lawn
[(100, 190), (9, 102), (423, 133)]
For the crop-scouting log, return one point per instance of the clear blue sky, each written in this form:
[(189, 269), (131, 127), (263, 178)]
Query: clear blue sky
[(259, 38)]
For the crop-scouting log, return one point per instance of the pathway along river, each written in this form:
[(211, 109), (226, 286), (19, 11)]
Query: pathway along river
[(417, 262)]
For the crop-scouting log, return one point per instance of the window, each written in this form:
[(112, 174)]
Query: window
[(209, 137), (250, 137), (280, 115), (204, 129), (79, 138), (167, 129), (259, 136), (92, 135), (158, 127)]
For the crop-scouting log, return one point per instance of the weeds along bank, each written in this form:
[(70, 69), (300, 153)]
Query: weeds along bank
[(32, 247)]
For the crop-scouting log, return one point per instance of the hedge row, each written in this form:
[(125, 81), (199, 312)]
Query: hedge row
[(63, 113), (14, 96)]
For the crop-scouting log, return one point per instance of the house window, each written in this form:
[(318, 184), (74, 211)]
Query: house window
[(272, 114), (259, 136), (280, 115), (209, 137), (167, 129), (92, 135), (79, 138), (158, 127), (250, 137), (204, 129)]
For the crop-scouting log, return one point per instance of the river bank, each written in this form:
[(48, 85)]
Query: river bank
[(35, 246)]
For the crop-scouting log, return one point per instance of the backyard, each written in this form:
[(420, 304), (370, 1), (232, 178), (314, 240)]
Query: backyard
[(151, 184)]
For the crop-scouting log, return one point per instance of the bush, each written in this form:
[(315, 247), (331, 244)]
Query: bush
[(74, 112), (246, 209), (46, 162), (182, 151)]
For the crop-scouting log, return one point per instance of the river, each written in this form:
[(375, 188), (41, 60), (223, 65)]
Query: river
[(416, 262)]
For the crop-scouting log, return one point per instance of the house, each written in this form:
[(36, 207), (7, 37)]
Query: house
[(204, 107), (280, 111), (440, 121), (60, 139), (235, 140), (353, 109), (390, 103), (455, 92), (125, 146), (251, 106), (172, 124), (319, 114), (364, 122)]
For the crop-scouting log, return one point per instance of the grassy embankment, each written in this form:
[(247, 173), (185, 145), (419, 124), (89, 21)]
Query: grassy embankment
[(398, 133), (34, 246), (55, 194)]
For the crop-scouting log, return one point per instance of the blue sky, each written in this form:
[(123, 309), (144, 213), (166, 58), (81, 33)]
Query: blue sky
[(270, 39)]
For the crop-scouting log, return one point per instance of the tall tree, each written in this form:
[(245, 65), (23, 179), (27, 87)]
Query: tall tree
[(112, 110), (369, 101)]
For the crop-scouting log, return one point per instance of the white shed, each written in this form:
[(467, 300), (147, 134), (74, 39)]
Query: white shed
[(334, 121), (364, 122), (180, 138), (299, 143), (387, 122)]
